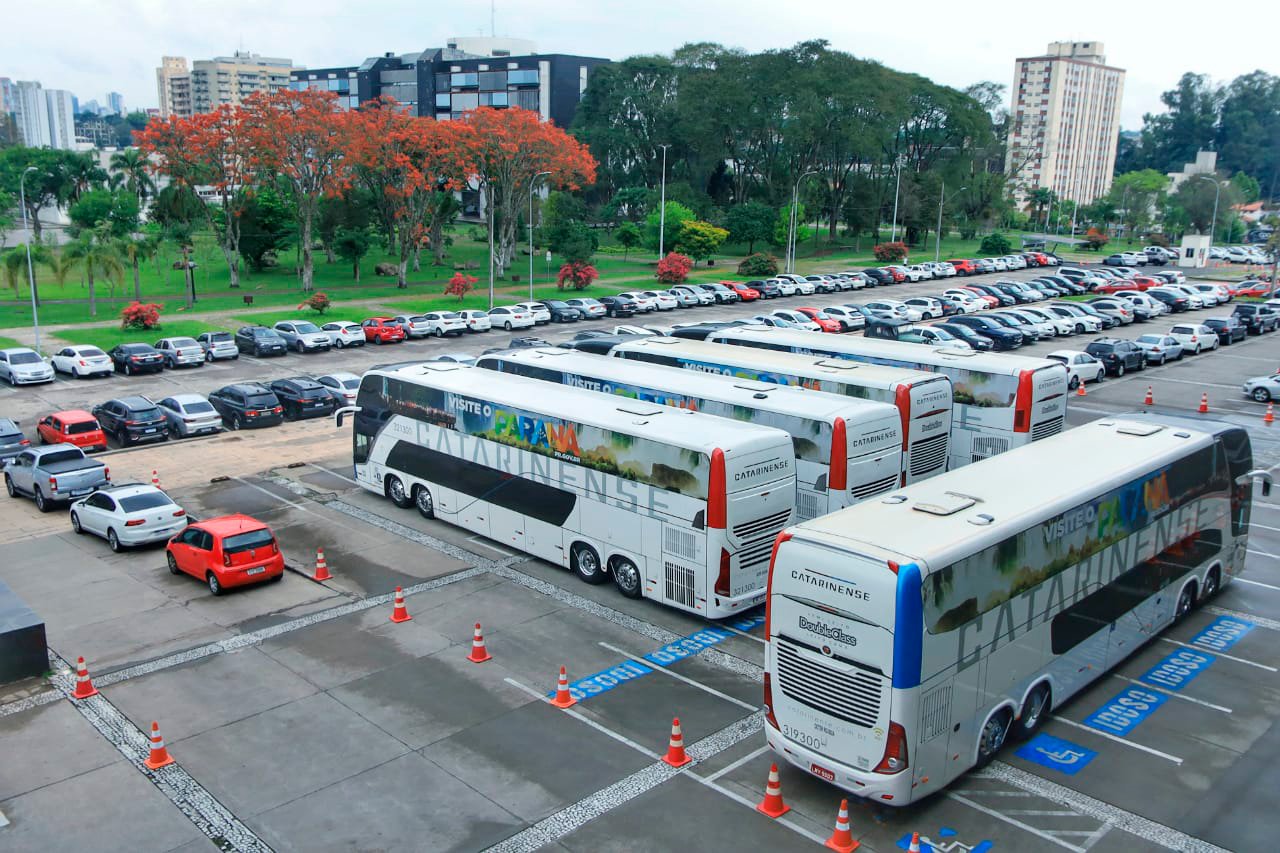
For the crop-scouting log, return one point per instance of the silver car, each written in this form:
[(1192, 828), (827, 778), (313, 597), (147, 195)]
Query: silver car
[(342, 387), (23, 366), (179, 352), (189, 414), (414, 325), (1160, 348), (218, 346), (592, 309), (303, 336)]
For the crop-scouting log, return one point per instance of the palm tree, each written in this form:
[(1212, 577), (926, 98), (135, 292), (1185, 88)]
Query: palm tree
[(96, 252), (59, 265), (131, 168), (80, 173), (15, 265), (137, 248)]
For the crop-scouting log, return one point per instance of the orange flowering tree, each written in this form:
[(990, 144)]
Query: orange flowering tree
[(211, 149), (511, 147), (302, 138)]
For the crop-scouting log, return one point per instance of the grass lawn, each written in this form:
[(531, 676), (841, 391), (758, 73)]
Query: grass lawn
[(5, 343), (106, 338)]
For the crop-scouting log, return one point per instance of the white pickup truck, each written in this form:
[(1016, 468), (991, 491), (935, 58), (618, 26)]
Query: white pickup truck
[(54, 475)]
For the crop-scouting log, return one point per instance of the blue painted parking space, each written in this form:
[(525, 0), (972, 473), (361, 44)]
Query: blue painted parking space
[(1178, 669), (1126, 711), (1223, 633), (1056, 754)]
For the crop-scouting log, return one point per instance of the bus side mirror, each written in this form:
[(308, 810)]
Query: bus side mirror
[(341, 413)]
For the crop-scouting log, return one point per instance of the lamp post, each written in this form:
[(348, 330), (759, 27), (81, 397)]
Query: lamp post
[(31, 273), (662, 204), (532, 181), (1217, 193), (488, 201), (937, 245), (893, 231), (792, 221)]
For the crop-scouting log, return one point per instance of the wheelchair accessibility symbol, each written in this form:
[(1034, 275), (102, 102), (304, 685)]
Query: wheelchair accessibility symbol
[(1056, 754)]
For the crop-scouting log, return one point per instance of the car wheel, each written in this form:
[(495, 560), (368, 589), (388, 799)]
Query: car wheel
[(507, 325), (1119, 370), (10, 487), (438, 332), (173, 564), (395, 491), (1074, 383), (122, 438), (128, 369), (378, 340), (585, 563), (208, 355), (75, 524), (626, 577), (113, 540), (234, 423), (423, 501), (1262, 395), (214, 586), (41, 503)]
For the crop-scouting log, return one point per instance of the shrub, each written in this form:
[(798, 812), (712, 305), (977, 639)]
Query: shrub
[(674, 268), (460, 285), (1095, 239), (700, 240), (758, 265), (995, 244), (139, 315), (577, 275), (886, 252), (1158, 239), (317, 302)]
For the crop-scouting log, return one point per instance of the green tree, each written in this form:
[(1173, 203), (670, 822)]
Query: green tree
[(133, 169), (628, 204), (42, 188), (995, 244), (95, 251), (136, 248), (562, 214), (15, 266), (1138, 196), (1196, 200), (577, 243), (750, 222), (1188, 125), (352, 244), (700, 240), (628, 236), (782, 225), (117, 210), (677, 216), (80, 174), (176, 204), (1247, 187), (1248, 129), (266, 224)]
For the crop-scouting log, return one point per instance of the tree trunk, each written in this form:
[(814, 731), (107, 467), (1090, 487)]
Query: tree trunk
[(233, 263), (137, 282), (308, 262), (33, 217), (417, 263), (93, 304), (329, 256), (355, 269), (401, 281), (435, 241)]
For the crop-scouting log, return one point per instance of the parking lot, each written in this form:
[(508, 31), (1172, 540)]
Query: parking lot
[(302, 718)]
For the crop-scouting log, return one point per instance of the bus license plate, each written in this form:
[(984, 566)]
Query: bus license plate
[(819, 770), (256, 571)]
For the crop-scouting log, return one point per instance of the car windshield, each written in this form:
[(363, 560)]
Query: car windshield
[(24, 358), (197, 407), (246, 541), (265, 333), (417, 319), (81, 427), (68, 455), (305, 327), (147, 500), (185, 342)]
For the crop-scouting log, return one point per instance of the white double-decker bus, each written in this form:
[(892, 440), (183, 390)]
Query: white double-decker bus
[(846, 450), (1001, 401), (923, 400), (672, 504), (909, 636)]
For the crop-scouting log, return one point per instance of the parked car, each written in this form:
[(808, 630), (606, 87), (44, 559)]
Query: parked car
[(131, 420), (1258, 289), (1217, 291), (133, 358), (1228, 329), (561, 312), (879, 277), (825, 321), (1062, 327), (82, 360), (969, 302), (926, 306), (380, 330), (478, 321), (443, 323), (894, 310), (593, 309), (247, 405), (963, 266), (827, 283), (1160, 348), (1195, 337), (664, 300), (1257, 318), (181, 352), (12, 441), (1044, 326), (1264, 389), (967, 335), (343, 387), (514, 317), (848, 318), (414, 325), (218, 346), (1118, 356), (303, 397), (73, 426), (1117, 260), (683, 298), (259, 341), (128, 515), (1001, 337), (1175, 302), (933, 336), (189, 414), (723, 295), (53, 475), (801, 320), (1030, 331), (450, 357), (225, 552), (344, 333), (541, 316), (746, 294), (911, 274), (619, 306), (1114, 309), (704, 297), (1080, 320), (23, 366)]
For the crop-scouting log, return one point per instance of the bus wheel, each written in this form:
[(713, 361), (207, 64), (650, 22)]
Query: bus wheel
[(1186, 601), (395, 491), (626, 577), (585, 563), (1034, 710), (992, 737), (1210, 585), (422, 499)]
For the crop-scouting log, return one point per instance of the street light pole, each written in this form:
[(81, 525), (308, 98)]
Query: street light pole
[(893, 231), (31, 273), (1217, 193), (662, 204), (488, 200), (793, 221), (937, 245), (532, 181)]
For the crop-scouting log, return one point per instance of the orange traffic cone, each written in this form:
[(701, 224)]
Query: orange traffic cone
[(772, 804), (842, 838), (676, 756), (564, 699), (322, 568), (1204, 404), (1270, 417), (159, 756), (1080, 392), (155, 478), (479, 654), (915, 843), (400, 613), (84, 686), (1150, 399)]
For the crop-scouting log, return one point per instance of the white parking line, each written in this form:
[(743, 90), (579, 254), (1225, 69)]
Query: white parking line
[(1141, 748), (1025, 827), (1219, 654), (1260, 621), (1254, 524), (483, 543), (1197, 382), (690, 681), (1172, 693), (1248, 358), (735, 765), (761, 640), (604, 730), (1261, 554)]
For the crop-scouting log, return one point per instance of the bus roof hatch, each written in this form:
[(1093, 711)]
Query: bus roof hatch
[(948, 504)]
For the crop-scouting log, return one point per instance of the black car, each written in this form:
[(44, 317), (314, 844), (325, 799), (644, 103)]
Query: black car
[(1256, 318), (1020, 296), (131, 420), (724, 295), (1116, 355), (1107, 321), (301, 397), (136, 358), (260, 341), (878, 277), (766, 289), (562, 312), (969, 336), (950, 307), (1175, 303), (1228, 329), (1001, 338), (247, 404), (1005, 299), (619, 306)]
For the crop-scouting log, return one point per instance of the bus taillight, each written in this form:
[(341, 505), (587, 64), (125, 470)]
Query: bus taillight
[(895, 751), (1022, 403), (902, 399), (722, 579), (768, 702), (768, 600), (717, 492), (839, 479)]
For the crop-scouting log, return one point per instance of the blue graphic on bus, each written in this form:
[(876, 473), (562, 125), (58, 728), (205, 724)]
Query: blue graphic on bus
[(1056, 754), (1178, 669), (1126, 711), (1223, 634)]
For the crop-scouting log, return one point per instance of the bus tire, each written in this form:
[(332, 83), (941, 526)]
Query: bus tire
[(1212, 582), (626, 577), (992, 737), (585, 562), (1186, 602), (395, 491), (1034, 711), (423, 501)]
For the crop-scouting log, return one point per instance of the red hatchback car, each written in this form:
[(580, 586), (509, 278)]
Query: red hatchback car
[(381, 330), (74, 426), (748, 294), (963, 266), (817, 315), (227, 551)]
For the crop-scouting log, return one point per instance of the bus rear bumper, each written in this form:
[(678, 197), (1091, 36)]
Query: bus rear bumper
[(722, 606), (892, 790)]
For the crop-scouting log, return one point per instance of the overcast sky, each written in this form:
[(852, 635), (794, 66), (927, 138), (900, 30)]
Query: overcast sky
[(93, 46)]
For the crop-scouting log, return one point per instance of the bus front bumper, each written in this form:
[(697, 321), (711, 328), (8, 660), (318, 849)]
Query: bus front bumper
[(893, 790)]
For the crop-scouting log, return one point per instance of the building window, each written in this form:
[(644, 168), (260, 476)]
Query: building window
[(493, 99), (467, 80), (464, 102), (525, 77), (491, 80), (442, 100)]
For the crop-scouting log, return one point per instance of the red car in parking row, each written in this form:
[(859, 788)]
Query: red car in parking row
[(225, 552), (817, 315), (381, 330), (74, 426), (746, 294)]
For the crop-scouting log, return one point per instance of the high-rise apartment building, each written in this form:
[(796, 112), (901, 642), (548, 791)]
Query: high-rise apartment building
[(45, 117), (173, 86), (115, 103), (8, 95), (1065, 122), (210, 83)]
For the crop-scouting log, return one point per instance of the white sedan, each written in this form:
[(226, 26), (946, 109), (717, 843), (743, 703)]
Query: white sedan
[(344, 334), (81, 361), (477, 321), (646, 303), (129, 514), (967, 300), (512, 317), (666, 302), (1263, 388), (894, 310), (540, 313), (1081, 367), (797, 319), (1061, 326), (443, 323)]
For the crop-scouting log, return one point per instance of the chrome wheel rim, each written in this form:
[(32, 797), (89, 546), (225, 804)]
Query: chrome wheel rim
[(627, 576), (1031, 719), (992, 737), (396, 490)]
